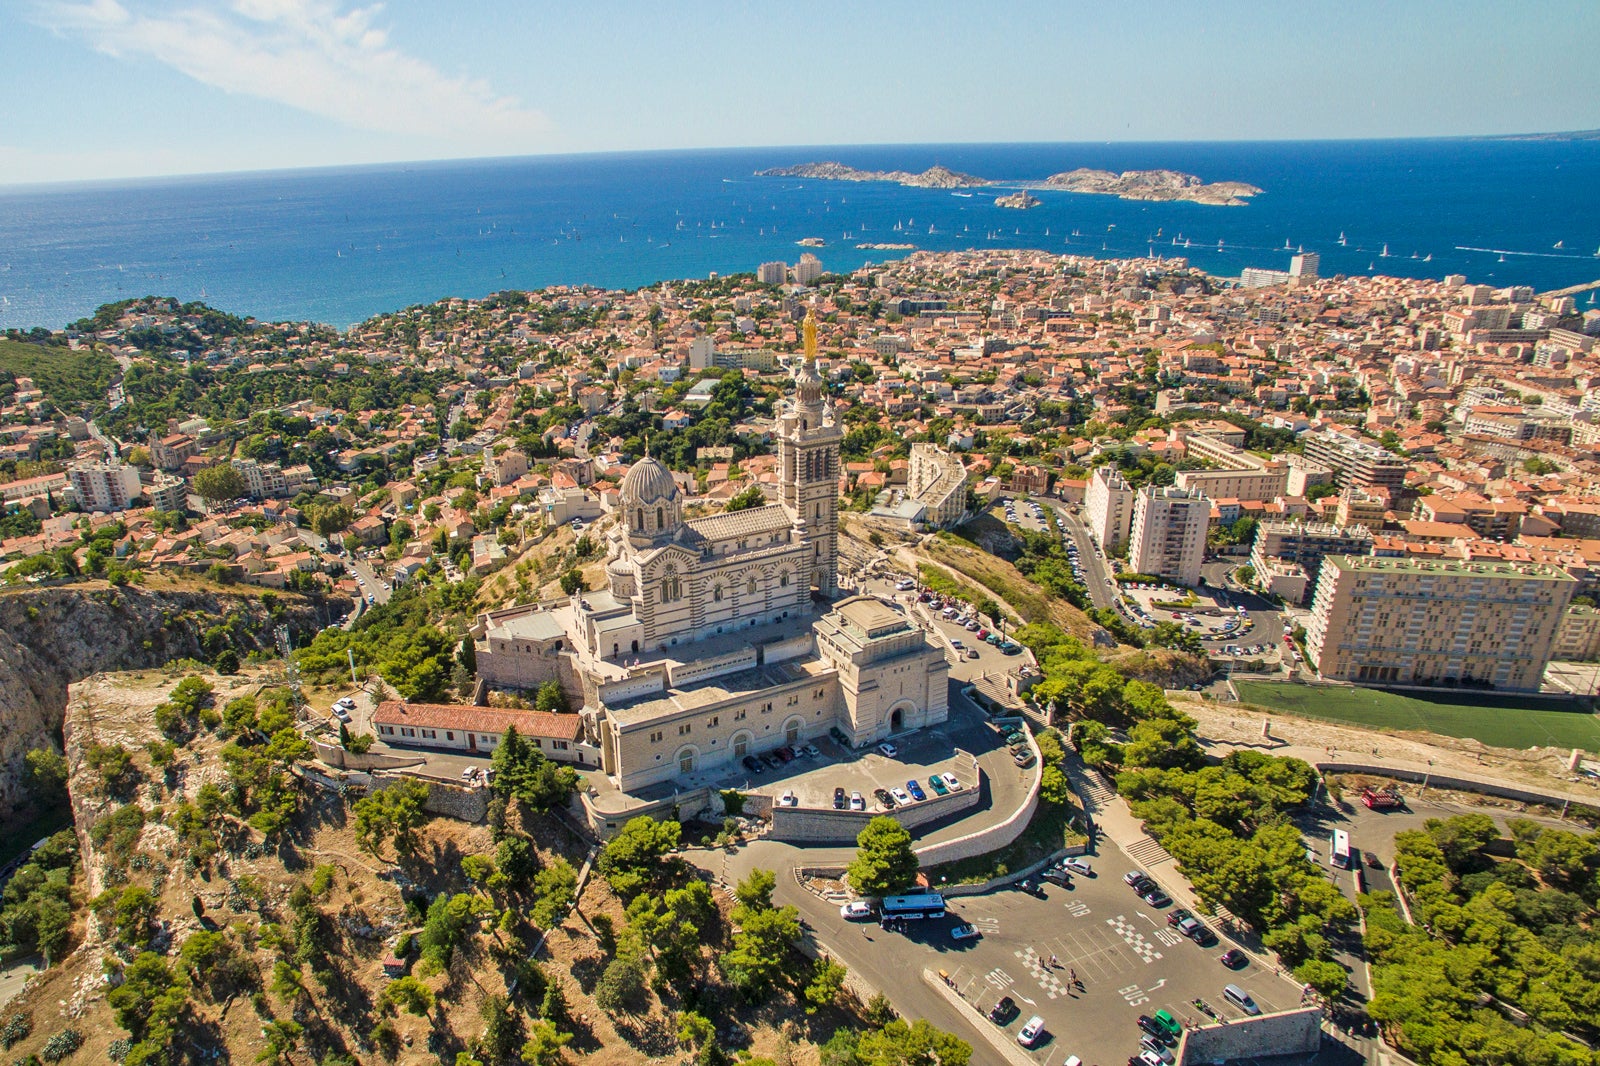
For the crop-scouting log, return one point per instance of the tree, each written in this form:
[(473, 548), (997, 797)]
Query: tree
[(410, 994), (545, 1045), (219, 483), (556, 887), (44, 775), (394, 812), (1326, 977), (572, 581), (748, 498), (630, 859), (760, 947), (884, 861), (827, 981), (621, 987), (916, 1044), (755, 891), (550, 697)]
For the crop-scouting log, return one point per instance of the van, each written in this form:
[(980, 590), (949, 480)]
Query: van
[(1031, 1032), (1240, 998)]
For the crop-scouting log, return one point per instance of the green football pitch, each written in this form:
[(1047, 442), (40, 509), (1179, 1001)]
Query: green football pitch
[(1497, 720)]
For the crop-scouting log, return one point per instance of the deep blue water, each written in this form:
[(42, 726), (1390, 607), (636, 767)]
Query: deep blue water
[(340, 245)]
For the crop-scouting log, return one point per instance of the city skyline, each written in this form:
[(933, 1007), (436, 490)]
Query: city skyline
[(120, 89)]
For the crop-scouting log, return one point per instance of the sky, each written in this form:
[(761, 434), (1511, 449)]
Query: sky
[(99, 89)]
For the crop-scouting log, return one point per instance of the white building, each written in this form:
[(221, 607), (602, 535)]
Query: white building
[(1305, 265), (1108, 505), (772, 273), (104, 486), (808, 270), (1169, 533)]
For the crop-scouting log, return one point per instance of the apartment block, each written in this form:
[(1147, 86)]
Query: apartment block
[(104, 486), (1578, 639), (938, 482), (1475, 623), (1355, 462), (168, 493), (1306, 545), (1169, 533), (1108, 506), (772, 273), (1236, 484)]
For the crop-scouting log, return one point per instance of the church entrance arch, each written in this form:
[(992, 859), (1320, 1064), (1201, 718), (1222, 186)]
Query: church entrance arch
[(688, 759), (741, 743), (791, 730)]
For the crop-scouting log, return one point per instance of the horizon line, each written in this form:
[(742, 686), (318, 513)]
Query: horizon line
[(68, 184)]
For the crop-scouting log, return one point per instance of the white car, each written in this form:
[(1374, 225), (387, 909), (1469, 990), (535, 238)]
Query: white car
[(888, 749), (964, 931), (789, 799), (856, 911), (905, 586), (858, 802), (901, 796), (1031, 1032), (1075, 864), (952, 783), (342, 714)]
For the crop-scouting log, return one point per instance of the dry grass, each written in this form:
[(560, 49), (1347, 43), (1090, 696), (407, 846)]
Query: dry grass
[(1007, 584)]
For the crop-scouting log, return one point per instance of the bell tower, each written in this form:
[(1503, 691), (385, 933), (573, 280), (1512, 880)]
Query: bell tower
[(808, 463)]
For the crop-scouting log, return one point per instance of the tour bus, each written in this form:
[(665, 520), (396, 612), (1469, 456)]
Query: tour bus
[(921, 905), (1339, 849)]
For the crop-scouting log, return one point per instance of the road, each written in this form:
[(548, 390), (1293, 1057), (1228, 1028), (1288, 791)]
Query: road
[(1096, 570)]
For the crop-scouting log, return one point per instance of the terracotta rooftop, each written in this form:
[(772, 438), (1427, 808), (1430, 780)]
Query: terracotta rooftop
[(477, 719)]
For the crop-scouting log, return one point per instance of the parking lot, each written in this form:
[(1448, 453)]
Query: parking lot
[(1126, 960)]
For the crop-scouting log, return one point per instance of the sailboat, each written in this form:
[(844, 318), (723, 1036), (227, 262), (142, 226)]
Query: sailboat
[(1286, 244), (1428, 258), (1558, 244), (1385, 253), (1342, 241)]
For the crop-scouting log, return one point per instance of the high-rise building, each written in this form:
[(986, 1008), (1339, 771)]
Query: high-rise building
[(772, 273), (1108, 505), (1169, 533), (1305, 265), (938, 481), (808, 270), (168, 492), (1477, 623), (104, 486)]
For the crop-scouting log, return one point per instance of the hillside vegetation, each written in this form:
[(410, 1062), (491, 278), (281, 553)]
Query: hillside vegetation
[(72, 380)]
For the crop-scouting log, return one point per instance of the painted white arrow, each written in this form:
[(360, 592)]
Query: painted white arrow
[(1029, 1002), (1157, 985)]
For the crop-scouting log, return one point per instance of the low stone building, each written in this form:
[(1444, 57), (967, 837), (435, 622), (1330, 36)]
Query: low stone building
[(453, 727)]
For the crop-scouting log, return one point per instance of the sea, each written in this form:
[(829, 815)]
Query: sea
[(340, 245)]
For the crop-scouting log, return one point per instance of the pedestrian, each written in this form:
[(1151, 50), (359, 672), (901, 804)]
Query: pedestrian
[(1053, 963), (1074, 974)]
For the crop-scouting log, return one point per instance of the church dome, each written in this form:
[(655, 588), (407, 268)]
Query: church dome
[(647, 483)]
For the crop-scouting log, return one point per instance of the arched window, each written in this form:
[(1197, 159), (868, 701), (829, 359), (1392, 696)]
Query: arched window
[(661, 518), (783, 580), (640, 523), (671, 587)]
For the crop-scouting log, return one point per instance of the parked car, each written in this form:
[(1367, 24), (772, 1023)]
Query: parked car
[(1197, 931), (1032, 888), (811, 751), (839, 737), (1016, 736), (1240, 998), (1146, 1057), (857, 803), (883, 798), (1157, 898), (901, 796), (888, 749), (753, 764), (953, 783), (1003, 1012), (1151, 1027), (788, 799), (1078, 866), (785, 753), (1177, 915), (1169, 1025), (964, 931), (916, 790), (1157, 1048), (1057, 876), (839, 799), (1233, 959), (1023, 759), (771, 759), (342, 714), (936, 783), (856, 911)]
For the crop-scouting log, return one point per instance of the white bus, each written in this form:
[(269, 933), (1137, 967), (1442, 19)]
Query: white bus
[(1339, 850), (920, 905)]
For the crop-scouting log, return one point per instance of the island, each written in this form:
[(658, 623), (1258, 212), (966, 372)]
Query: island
[(812, 242), (881, 247), (1128, 185), (1020, 201), (935, 177), (1151, 185)]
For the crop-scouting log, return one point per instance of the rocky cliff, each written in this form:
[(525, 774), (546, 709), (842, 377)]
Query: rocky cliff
[(51, 637)]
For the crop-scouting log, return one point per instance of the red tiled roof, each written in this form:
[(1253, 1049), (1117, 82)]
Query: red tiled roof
[(477, 719)]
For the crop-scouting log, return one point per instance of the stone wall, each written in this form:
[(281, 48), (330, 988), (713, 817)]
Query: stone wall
[(1462, 784), (820, 825), (1293, 1032), (994, 837), (452, 801), (335, 756), (605, 821)]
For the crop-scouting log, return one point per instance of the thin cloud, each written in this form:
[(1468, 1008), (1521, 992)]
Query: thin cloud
[(312, 55)]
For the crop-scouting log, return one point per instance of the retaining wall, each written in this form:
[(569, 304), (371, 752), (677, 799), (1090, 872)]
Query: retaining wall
[(605, 823), (335, 756), (818, 825), (1292, 1032), (994, 837), (453, 801), (1462, 784), (1011, 878)]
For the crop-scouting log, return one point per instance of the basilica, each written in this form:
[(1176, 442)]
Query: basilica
[(721, 637)]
